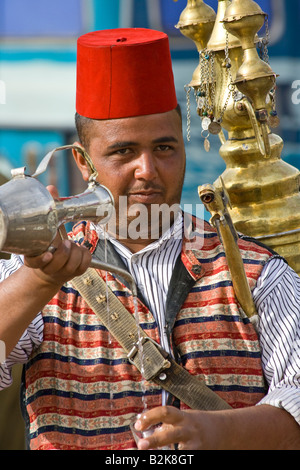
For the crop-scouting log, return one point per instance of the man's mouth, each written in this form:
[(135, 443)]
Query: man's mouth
[(146, 195)]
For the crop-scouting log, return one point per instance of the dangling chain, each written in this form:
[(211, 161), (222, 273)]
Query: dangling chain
[(264, 55), (263, 44), (188, 113), (205, 95), (231, 87)]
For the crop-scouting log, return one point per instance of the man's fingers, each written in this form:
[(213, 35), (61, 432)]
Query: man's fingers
[(164, 436), (57, 256), (64, 261), (78, 261), (176, 427), (166, 433), (161, 414)]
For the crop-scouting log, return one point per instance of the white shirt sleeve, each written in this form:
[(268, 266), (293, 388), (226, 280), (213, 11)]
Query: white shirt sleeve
[(31, 338), (277, 298)]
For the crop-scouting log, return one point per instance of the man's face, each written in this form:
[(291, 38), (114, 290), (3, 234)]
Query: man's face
[(141, 158)]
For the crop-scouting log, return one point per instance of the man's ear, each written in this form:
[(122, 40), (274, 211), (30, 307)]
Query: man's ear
[(81, 162)]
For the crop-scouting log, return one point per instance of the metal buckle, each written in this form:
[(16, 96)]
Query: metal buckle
[(134, 350)]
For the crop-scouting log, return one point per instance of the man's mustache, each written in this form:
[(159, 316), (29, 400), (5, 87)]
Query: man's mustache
[(145, 187)]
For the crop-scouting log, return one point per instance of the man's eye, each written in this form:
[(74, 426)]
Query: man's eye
[(163, 148), (125, 151)]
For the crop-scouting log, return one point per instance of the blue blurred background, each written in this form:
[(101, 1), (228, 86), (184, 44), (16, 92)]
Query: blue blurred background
[(37, 79)]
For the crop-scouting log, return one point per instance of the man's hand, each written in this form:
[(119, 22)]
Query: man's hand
[(67, 261), (262, 427), (185, 428), (25, 292)]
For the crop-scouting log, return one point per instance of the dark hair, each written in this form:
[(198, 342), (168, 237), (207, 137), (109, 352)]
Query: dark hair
[(84, 124)]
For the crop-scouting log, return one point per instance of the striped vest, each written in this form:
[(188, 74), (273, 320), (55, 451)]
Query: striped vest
[(80, 390)]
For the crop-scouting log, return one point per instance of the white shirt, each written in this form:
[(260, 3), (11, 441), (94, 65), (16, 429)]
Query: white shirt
[(277, 298), (152, 268)]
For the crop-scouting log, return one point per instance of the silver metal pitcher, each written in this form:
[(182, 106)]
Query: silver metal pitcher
[(30, 217)]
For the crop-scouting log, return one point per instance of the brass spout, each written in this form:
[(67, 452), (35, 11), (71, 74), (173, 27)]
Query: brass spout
[(262, 137), (216, 202)]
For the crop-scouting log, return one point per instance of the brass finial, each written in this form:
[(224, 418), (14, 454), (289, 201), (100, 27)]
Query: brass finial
[(196, 22)]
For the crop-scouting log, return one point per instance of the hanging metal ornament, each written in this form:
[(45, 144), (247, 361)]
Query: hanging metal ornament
[(205, 94), (205, 98), (215, 127), (273, 120), (204, 91), (206, 141), (238, 96), (205, 123)]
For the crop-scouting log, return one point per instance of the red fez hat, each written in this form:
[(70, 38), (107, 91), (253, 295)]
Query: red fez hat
[(123, 73)]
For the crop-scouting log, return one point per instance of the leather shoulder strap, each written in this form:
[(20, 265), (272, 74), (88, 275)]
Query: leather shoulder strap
[(150, 359)]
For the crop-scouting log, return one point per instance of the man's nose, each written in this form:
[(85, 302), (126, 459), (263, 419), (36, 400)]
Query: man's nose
[(145, 167)]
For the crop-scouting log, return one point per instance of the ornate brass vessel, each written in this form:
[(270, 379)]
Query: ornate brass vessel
[(196, 22), (240, 103), (30, 218)]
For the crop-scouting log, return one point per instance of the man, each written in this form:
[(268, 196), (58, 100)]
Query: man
[(80, 389)]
